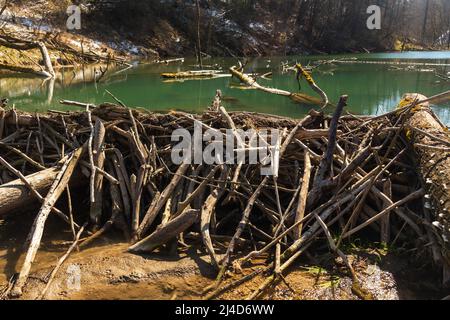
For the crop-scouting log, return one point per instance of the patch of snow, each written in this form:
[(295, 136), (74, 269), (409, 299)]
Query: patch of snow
[(126, 46), (214, 13), (30, 23), (443, 39), (257, 26), (231, 26)]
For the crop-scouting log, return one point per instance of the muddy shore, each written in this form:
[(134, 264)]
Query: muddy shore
[(108, 272)]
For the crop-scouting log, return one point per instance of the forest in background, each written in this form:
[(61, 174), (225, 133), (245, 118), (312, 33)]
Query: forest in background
[(254, 27), (257, 27)]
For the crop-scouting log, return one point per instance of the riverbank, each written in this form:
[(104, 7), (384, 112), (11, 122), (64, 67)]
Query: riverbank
[(108, 272)]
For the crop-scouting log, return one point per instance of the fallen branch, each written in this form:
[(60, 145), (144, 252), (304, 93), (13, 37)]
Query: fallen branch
[(37, 230)]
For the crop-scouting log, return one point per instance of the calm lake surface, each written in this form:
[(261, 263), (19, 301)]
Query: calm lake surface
[(372, 88)]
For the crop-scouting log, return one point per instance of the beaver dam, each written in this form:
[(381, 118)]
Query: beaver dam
[(340, 177)]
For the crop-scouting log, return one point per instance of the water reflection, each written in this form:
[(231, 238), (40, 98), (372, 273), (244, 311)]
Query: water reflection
[(373, 89), (34, 93)]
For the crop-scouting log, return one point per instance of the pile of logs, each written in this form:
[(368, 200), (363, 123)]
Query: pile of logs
[(340, 177)]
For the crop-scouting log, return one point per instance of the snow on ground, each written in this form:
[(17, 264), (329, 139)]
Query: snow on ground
[(258, 27), (24, 24), (125, 46)]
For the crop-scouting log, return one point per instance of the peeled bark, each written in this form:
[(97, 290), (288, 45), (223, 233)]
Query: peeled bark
[(167, 232), (296, 97), (15, 195), (431, 143)]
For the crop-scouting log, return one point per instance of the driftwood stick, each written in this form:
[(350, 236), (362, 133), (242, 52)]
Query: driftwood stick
[(278, 259), (22, 155), (115, 219), (98, 162), (15, 194), (325, 164), (252, 83), (300, 214), (169, 231), (385, 222), (77, 104), (206, 215), (123, 188), (35, 192), (71, 219), (91, 156), (37, 229), (135, 205), (191, 196), (137, 143), (167, 212), (240, 142), (102, 172), (413, 196), (154, 209)]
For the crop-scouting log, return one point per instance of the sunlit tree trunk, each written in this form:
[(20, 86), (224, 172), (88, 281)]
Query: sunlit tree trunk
[(425, 20), (199, 46)]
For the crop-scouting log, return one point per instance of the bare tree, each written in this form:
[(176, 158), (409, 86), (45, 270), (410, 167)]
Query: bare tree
[(199, 45), (425, 20)]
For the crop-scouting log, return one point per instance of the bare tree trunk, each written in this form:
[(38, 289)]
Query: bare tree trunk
[(18, 44), (16, 194), (425, 20), (46, 58), (199, 45), (448, 38)]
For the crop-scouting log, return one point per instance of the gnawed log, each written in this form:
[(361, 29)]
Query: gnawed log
[(155, 207), (423, 130), (191, 74), (169, 231), (297, 97), (168, 61), (15, 195), (252, 83)]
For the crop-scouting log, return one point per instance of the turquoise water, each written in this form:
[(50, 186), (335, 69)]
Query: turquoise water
[(372, 88)]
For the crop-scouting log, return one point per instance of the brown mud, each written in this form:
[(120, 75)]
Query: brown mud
[(108, 272)]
